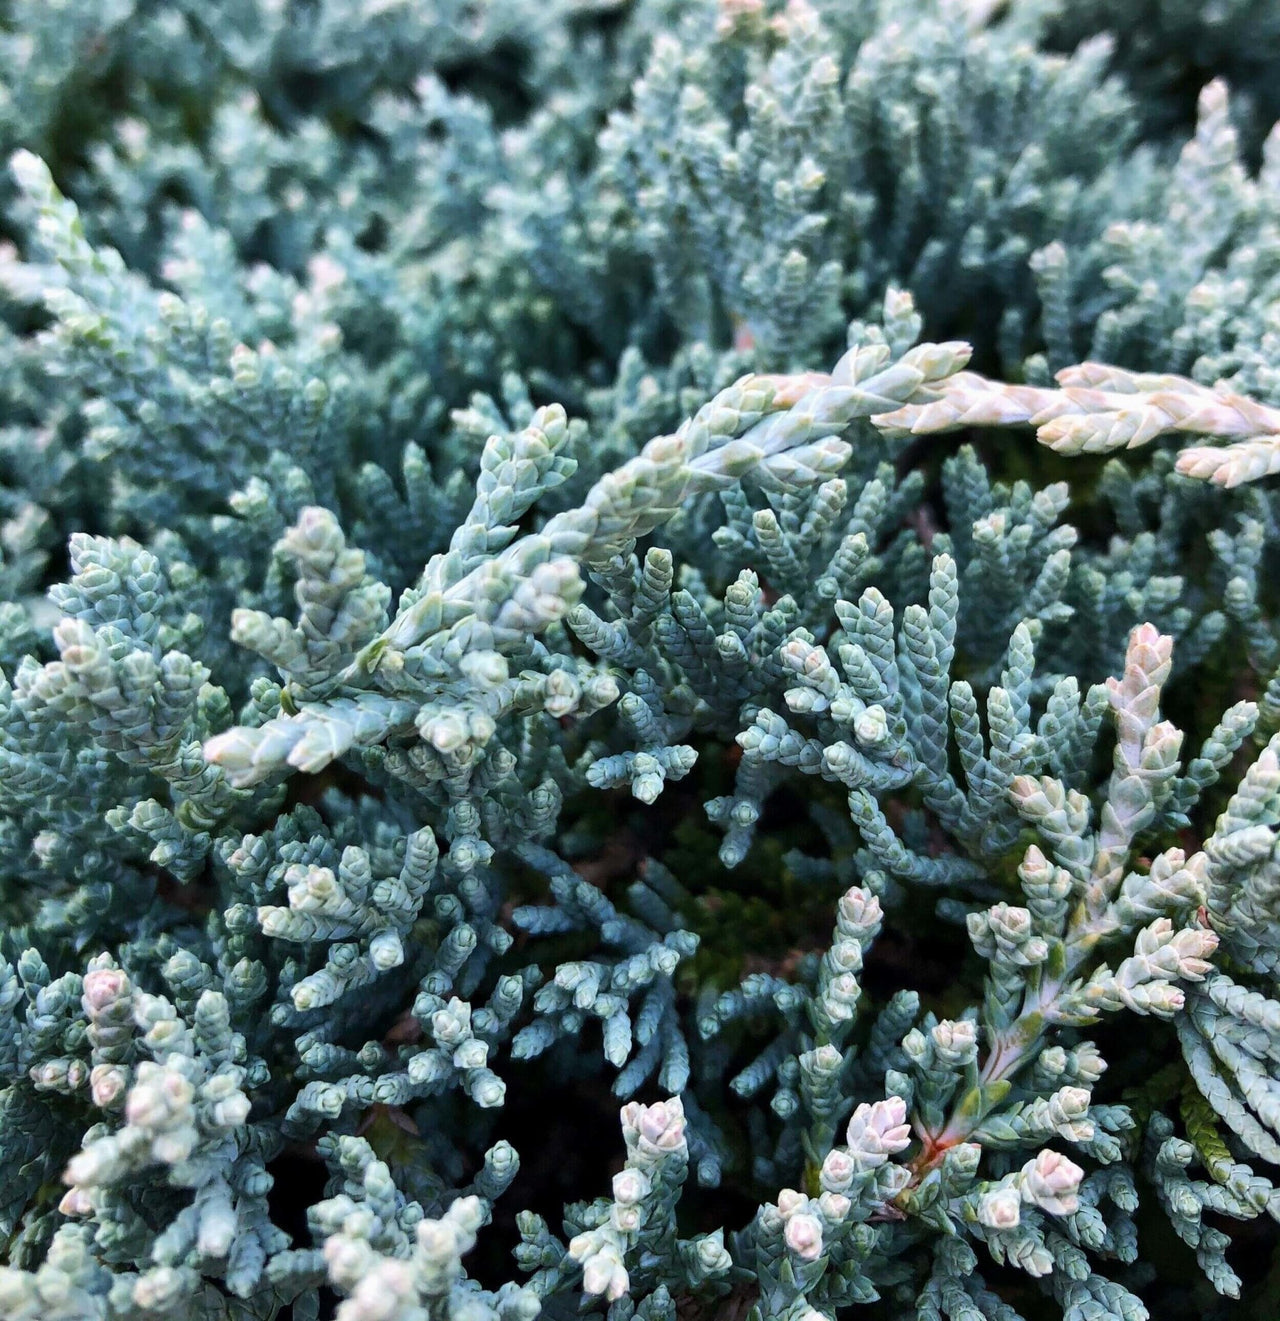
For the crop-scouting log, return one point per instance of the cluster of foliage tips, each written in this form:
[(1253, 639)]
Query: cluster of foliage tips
[(528, 585)]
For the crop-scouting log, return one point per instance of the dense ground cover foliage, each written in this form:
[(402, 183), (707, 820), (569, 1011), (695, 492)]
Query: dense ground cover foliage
[(712, 557)]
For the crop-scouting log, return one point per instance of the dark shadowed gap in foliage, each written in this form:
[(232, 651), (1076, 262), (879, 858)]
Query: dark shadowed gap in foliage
[(918, 955), (784, 809), (299, 1183), (373, 237), (311, 790), (328, 1307), (570, 1142), (498, 77), (976, 322), (570, 1146), (294, 92)]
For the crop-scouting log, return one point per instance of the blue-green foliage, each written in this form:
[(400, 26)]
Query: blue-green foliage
[(485, 635)]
